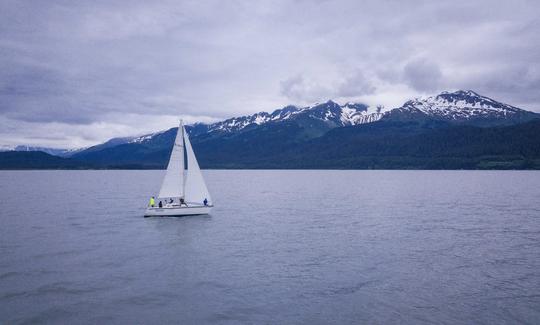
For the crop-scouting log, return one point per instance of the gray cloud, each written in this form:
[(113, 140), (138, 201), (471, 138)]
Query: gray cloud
[(356, 85), (87, 70), (298, 89), (422, 75), (293, 87)]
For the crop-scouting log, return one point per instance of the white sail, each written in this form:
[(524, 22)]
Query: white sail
[(196, 190), (173, 182)]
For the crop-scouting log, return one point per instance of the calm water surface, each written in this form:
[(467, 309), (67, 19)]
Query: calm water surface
[(282, 247)]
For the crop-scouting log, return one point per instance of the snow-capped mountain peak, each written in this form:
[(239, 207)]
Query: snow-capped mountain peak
[(470, 99), (461, 105), (329, 112)]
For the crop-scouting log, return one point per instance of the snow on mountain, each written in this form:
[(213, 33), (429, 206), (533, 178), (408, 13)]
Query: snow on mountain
[(355, 114), (461, 106), (330, 112), (6, 148), (143, 138), (50, 151), (70, 152), (239, 123), (118, 141)]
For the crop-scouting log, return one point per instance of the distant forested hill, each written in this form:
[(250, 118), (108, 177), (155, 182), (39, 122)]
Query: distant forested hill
[(384, 145), (37, 160)]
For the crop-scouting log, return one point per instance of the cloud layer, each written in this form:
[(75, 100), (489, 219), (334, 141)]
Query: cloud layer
[(76, 73)]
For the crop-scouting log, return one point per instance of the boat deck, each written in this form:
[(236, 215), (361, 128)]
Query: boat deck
[(176, 210)]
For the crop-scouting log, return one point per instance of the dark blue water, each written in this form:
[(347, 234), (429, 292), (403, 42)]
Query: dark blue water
[(282, 247)]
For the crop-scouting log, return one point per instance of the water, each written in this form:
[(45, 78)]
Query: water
[(282, 247)]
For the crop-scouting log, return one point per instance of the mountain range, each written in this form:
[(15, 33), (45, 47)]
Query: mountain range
[(460, 129)]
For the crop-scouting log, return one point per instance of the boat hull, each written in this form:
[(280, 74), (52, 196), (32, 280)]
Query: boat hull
[(177, 211)]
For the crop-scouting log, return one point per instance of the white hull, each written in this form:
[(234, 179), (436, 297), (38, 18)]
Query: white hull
[(177, 211)]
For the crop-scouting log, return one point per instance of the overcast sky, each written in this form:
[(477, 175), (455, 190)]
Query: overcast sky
[(75, 73)]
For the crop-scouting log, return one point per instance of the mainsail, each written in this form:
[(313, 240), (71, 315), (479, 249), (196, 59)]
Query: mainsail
[(172, 185), (181, 179)]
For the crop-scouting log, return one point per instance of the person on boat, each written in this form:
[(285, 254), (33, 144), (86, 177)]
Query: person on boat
[(171, 201), (152, 202), (182, 201), (160, 204), (205, 202)]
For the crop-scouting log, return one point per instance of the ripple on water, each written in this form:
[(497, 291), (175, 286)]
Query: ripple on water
[(280, 247)]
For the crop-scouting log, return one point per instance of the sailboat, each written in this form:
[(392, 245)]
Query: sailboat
[(183, 191)]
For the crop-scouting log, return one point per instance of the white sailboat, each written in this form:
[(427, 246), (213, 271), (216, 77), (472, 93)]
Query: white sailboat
[(183, 183)]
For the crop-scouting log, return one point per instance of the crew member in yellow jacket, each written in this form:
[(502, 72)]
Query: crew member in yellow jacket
[(152, 202)]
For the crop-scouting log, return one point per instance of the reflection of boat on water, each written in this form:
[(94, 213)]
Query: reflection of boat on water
[(183, 185)]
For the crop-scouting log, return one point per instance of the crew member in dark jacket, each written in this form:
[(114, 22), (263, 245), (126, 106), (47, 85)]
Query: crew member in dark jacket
[(182, 202)]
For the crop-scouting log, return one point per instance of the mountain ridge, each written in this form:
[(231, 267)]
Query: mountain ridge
[(254, 140), (330, 112), (460, 107), (380, 145)]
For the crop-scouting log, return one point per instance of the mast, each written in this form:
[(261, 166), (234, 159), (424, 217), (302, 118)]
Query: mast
[(184, 167)]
